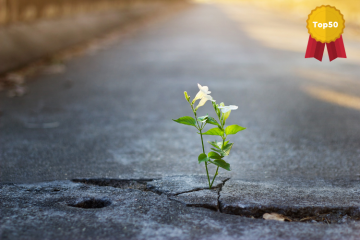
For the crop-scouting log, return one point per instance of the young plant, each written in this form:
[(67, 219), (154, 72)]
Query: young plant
[(219, 149)]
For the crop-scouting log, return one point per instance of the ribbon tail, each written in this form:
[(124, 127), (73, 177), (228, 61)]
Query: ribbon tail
[(336, 49), (331, 51), (315, 49)]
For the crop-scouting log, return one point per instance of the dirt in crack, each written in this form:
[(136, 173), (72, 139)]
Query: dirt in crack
[(313, 215)]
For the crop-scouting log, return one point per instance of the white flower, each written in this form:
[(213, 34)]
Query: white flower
[(204, 99), (204, 91), (225, 109)]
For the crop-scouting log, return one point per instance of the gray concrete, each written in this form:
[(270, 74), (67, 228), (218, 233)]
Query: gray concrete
[(115, 122), (297, 199), (174, 185), (46, 211)]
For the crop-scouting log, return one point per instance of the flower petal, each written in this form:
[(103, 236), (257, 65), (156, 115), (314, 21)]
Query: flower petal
[(204, 89), (233, 107), (199, 95), (203, 100), (225, 110)]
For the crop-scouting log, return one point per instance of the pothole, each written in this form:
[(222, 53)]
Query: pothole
[(91, 203)]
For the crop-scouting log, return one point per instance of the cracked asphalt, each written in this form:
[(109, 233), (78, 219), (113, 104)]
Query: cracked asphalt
[(299, 152)]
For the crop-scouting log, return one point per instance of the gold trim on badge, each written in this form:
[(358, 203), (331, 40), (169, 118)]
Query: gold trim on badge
[(321, 24)]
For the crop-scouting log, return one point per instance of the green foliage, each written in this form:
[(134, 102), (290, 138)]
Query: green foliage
[(203, 158), (233, 129), (212, 121), (223, 151), (214, 131), (221, 163), (203, 118), (226, 149), (218, 151), (214, 155), (186, 120), (216, 144)]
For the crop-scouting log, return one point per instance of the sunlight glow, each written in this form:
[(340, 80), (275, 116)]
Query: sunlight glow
[(341, 99)]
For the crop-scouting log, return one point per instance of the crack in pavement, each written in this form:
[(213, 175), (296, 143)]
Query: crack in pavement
[(207, 199), (219, 194), (242, 199)]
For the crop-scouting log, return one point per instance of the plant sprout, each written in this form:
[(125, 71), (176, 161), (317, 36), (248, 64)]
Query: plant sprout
[(220, 149)]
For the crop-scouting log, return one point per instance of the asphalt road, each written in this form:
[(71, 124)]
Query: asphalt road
[(109, 116), (302, 116)]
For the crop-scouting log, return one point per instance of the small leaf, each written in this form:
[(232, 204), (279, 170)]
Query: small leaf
[(214, 155), (221, 163), (212, 121), (219, 151), (276, 216), (216, 144), (233, 129), (203, 118), (203, 158), (186, 120), (226, 149), (214, 131)]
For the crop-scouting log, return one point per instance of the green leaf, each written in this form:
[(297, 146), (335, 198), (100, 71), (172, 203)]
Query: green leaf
[(216, 144), (233, 129), (203, 158), (214, 155), (227, 148), (218, 147), (186, 120), (216, 150), (221, 163), (219, 151), (214, 131), (212, 121), (203, 118)]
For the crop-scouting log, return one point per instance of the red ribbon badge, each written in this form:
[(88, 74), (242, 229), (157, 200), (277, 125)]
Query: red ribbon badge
[(335, 49)]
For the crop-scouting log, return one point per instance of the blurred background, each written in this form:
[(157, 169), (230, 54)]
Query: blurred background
[(15, 11), (90, 88), (300, 8)]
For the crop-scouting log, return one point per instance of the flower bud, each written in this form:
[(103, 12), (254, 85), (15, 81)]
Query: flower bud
[(187, 97)]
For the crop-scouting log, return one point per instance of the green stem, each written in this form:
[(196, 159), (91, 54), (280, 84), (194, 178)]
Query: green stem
[(202, 143), (214, 176), (223, 138)]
